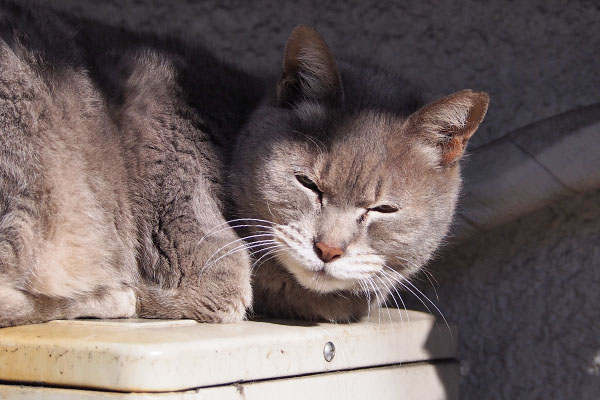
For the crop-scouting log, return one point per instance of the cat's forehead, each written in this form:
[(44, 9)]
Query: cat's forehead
[(360, 164)]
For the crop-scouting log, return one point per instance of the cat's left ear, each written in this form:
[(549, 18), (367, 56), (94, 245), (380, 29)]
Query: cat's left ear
[(450, 122), (309, 70)]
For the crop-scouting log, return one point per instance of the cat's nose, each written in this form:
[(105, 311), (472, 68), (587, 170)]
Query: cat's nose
[(327, 253)]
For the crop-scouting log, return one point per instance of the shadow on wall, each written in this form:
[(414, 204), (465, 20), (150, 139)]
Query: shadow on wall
[(524, 297), (536, 58), (448, 371)]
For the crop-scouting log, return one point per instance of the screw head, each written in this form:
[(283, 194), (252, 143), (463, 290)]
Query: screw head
[(329, 351)]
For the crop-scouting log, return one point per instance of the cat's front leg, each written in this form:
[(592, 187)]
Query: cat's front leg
[(200, 270), (219, 288)]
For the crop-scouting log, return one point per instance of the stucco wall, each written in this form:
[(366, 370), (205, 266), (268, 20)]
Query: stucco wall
[(535, 58), (524, 295), (526, 300)]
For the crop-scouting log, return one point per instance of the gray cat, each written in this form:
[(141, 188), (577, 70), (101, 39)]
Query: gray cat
[(141, 176)]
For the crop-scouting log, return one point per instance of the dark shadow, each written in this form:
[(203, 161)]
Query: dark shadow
[(286, 322)]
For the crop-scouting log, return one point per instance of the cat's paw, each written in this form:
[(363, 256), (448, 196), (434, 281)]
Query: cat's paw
[(124, 303), (236, 313), (238, 305)]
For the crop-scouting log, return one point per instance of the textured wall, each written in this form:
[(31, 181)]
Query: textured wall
[(526, 299), (524, 295), (535, 58)]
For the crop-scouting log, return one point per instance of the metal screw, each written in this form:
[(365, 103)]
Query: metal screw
[(329, 351)]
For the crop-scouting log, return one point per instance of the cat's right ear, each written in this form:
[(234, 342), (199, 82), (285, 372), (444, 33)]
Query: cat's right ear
[(309, 70), (450, 122)]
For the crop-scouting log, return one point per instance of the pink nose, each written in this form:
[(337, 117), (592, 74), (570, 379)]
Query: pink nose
[(327, 253)]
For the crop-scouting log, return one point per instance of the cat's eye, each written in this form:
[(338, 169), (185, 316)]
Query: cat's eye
[(385, 208), (307, 183)]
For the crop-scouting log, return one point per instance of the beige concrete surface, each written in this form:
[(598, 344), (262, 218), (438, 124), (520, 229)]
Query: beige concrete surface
[(155, 356), (423, 381)]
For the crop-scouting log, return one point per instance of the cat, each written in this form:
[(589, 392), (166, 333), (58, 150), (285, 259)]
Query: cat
[(141, 176)]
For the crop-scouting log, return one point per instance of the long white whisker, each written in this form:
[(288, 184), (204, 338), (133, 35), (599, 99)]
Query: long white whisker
[(261, 244), (429, 277), (233, 227), (401, 282), (240, 220), (385, 276), (391, 294), (370, 281), (244, 246), (426, 298), (236, 241), (389, 291), (271, 249), (365, 290), (391, 279), (272, 255), (412, 263), (262, 248), (230, 222)]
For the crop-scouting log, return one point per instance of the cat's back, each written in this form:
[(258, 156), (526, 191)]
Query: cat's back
[(62, 174), (37, 54), (46, 95), (101, 130)]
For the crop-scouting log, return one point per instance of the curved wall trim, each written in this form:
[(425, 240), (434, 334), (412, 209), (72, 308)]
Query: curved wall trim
[(529, 168)]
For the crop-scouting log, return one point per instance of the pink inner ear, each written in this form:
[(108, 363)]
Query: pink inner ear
[(451, 121), (453, 149)]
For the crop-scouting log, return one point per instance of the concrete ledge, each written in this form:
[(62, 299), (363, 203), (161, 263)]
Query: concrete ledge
[(165, 356), (413, 381)]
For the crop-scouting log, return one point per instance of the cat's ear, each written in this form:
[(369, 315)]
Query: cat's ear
[(450, 122), (309, 70)]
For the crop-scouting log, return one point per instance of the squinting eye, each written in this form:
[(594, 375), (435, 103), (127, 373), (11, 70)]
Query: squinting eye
[(307, 183), (386, 208)]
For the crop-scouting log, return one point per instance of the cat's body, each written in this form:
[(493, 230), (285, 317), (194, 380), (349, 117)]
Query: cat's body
[(122, 156), (114, 151)]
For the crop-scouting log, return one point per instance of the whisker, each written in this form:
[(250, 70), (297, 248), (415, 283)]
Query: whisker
[(370, 281), (399, 279), (390, 279), (389, 291), (398, 308), (253, 219), (429, 277), (262, 248), (236, 241), (365, 290), (233, 227), (401, 282), (426, 298), (244, 246), (272, 250), (230, 222), (261, 244)]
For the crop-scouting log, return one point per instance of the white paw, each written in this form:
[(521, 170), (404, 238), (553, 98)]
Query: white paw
[(124, 303)]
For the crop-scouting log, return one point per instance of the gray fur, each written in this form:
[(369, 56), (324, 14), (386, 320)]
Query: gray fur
[(123, 156)]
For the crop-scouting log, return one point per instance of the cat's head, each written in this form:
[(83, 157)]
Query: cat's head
[(357, 179)]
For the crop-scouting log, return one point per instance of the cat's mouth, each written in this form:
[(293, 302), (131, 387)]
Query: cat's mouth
[(320, 280), (320, 277), (312, 272)]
